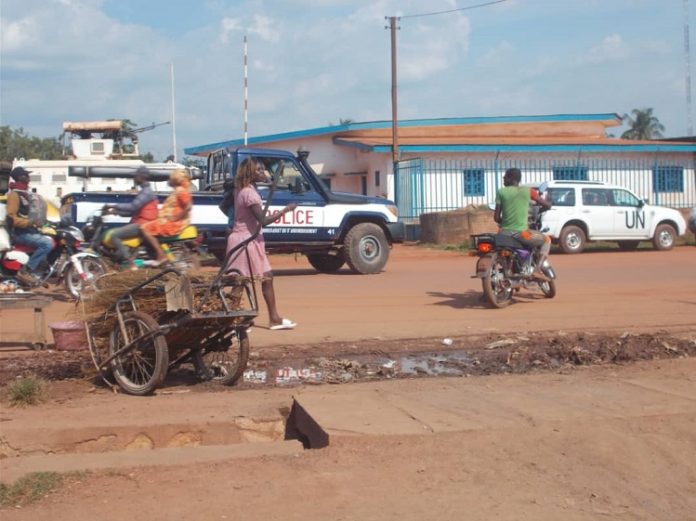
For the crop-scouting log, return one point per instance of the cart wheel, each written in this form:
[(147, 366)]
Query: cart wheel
[(143, 368), (225, 366)]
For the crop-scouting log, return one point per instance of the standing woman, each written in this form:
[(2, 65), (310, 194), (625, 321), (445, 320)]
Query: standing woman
[(173, 217), (248, 216)]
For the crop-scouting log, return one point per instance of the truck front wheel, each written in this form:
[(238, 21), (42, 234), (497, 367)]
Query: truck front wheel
[(366, 248)]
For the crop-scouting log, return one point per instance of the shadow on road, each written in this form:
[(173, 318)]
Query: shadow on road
[(476, 300), (291, 272), (469, 300)]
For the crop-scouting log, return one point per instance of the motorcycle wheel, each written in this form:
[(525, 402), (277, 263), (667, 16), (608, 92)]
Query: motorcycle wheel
[(496, 286), (93, 269), (548, 288)]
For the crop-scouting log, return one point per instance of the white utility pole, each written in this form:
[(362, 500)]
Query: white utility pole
[(246, 93), (171, 70), (687, 57)]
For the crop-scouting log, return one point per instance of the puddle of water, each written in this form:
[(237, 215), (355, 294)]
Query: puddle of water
[(362, 367), (435, 364)]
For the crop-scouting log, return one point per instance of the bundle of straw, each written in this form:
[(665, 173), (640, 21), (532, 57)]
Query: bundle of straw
[(96, 305)]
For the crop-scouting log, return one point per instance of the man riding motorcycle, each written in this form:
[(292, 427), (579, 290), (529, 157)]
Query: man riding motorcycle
[(25, 231), (512, 213), (142, 209)]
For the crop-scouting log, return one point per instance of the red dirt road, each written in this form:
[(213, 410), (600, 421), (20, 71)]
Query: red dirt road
[(603, 442), (429, 293)]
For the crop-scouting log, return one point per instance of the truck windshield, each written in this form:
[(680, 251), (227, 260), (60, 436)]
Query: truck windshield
[(287, 172)]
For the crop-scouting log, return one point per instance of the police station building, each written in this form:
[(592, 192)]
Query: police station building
[(450, 163)]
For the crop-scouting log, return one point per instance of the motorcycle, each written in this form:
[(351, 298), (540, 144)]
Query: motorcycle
[(67, 263), (181, 250), (505, 265)]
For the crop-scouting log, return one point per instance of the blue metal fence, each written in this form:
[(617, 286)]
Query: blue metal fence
[(435, 185)]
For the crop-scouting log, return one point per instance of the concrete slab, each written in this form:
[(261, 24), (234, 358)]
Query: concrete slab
[(15, 468), (407, 407), (103, 421)]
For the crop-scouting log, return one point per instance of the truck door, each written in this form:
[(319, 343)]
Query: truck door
[(306, 222), (597, 209), (630, 217)]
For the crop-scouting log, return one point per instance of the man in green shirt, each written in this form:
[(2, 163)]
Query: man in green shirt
[(512, 214)]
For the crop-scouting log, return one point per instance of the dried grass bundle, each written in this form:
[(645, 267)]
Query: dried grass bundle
[(96, 305)]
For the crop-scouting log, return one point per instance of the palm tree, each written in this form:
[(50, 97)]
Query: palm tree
[(643, 125)]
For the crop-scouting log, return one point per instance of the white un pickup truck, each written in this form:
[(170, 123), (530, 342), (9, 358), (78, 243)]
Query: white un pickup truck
[(585, 211)]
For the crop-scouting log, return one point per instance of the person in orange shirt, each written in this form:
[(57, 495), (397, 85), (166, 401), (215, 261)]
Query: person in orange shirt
[(142, 209), (173, 217)]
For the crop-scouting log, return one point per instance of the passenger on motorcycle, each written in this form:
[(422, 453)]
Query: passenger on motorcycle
[(512, 211), (142, 209), (25, 231), (174, 215)]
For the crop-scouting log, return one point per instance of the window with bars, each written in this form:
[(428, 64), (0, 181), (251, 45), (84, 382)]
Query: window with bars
[(570, 173), (668, 179), (474, 184)]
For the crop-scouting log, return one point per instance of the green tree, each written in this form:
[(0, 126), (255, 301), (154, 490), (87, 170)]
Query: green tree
[(16, 143), (643, 125)]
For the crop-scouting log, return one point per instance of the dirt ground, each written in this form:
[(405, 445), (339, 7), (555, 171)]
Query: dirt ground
[(612, 308)]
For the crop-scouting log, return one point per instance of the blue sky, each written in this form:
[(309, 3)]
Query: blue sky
[(313, 62)]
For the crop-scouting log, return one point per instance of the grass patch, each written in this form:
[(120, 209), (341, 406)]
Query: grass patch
[(30, 488), (26, 391)]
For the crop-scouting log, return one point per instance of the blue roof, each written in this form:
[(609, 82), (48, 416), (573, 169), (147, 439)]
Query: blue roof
[(370, 125)]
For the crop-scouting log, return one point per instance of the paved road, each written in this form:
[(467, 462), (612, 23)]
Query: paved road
[(429, 293)]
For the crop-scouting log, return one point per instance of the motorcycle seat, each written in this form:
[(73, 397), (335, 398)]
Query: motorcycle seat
[(503, 240), (188, 233)]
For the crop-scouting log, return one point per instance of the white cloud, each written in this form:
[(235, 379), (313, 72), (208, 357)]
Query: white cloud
[(612, 49), (229, 25), (267, 29), (497, 55)]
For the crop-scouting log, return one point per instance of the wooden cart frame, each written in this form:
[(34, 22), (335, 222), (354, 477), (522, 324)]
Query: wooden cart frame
[(142, 349)]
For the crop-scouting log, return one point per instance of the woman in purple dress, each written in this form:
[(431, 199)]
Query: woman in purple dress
[(248, 213)]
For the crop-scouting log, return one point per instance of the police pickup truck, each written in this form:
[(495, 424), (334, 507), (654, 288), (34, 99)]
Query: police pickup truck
[(330, 228)]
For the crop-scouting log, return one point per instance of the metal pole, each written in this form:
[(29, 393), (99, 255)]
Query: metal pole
[(687, 57), (246, 94), (171, 70), (395, 125)]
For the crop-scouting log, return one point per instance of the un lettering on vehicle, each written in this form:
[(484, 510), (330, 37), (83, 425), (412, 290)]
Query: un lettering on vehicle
[(635, 219)]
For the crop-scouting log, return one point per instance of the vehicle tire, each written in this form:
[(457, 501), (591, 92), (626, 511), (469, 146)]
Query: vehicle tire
[(572, 239), (93, 268), (143, 368), (366, 248), (548, 288), (325, 262), (628, 245), (496, 286), (224, 366), (664, 237)]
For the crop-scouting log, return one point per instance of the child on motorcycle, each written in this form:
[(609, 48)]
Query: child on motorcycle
[(174, 215)]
